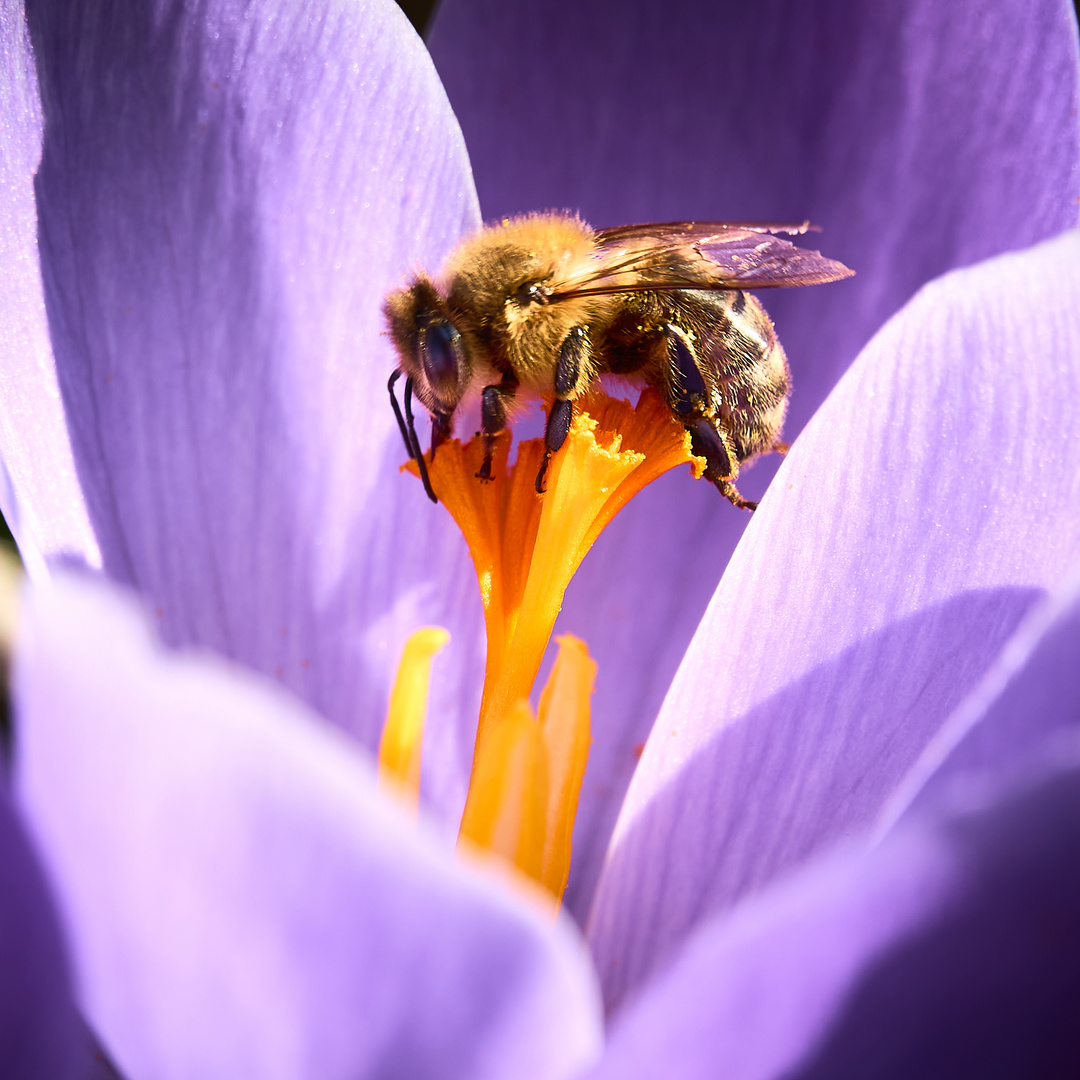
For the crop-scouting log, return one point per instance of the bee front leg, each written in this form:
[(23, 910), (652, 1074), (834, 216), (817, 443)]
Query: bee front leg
[(441, 429), (493, 401), (568, 372)]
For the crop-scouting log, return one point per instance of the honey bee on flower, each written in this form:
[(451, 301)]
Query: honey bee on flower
[(543, 305)]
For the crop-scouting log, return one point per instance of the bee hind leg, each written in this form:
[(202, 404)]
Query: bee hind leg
[(731, 493), (720, 463), (689, 393)]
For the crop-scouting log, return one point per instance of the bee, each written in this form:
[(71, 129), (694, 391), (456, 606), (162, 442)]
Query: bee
[(543, 306)]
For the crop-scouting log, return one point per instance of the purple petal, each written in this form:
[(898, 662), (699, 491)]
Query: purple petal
[(241, 902), (40, 1033), (226, 192), (951, 951), (1021, 708), (922, 136), (39, 493), (920, 515)]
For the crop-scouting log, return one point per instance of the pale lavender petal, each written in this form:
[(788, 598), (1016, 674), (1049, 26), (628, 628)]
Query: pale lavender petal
[(39, 493), (950, 951), (921, 136), (1017, 712), (240, 899), (226, 192), (925, 508), (40, 1033)]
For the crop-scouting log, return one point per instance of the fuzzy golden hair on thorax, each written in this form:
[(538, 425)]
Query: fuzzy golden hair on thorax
[(489, 275)]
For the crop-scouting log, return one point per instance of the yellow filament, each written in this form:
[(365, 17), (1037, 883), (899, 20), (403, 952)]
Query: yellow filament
[(565, 719), (403, 733)]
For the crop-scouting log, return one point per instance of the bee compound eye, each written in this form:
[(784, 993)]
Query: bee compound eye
[(530, 293), (440, 355)]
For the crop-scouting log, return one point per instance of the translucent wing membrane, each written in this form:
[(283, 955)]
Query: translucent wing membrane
[(699, 255), (693, 232)]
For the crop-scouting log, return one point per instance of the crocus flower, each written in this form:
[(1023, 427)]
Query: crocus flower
[(204, 207)]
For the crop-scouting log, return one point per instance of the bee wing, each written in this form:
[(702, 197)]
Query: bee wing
[(692, 231), (698, 255)]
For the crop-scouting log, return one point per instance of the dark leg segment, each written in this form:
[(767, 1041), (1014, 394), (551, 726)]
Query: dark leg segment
[(705, 441), (493, 420), (568, 366), (572, 355), (558, 427), (440, 431), (689, 384)]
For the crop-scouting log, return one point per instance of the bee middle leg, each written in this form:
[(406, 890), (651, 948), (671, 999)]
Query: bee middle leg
[(568, 371)]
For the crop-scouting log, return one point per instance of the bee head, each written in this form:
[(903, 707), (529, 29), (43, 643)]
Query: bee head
[(428, 345)]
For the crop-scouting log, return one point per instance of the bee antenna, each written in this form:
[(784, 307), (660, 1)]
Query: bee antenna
[(397, 412), (414, 441)]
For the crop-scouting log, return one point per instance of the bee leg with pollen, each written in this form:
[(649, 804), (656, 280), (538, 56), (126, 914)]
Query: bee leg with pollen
[(569, 367), (689, 396), (707, 442), (493, 401), (689, 393)]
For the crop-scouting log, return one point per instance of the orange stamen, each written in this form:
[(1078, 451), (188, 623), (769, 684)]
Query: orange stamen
[(565, 719), (527, 774), (527, 548), (506, 811)]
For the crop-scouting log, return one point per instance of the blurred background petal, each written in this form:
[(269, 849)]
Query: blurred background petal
[(241, 901), (953, 950), (921, 136), (929, 503), (41, 1035), (226, 192)]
